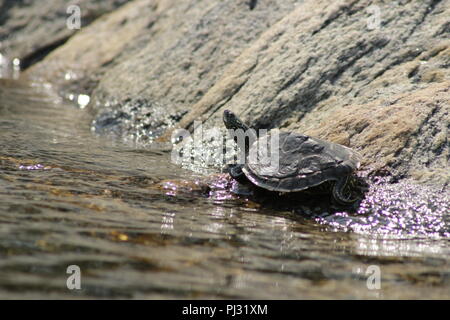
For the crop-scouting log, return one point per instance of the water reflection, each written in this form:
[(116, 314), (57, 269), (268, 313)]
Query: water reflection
[(167, 222), (9, 68), (139, 226), (401, 248)]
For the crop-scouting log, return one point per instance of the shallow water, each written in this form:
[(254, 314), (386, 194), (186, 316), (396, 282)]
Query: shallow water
[(68, 197)]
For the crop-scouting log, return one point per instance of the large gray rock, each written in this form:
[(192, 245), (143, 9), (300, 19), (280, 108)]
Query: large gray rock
[(321, 71), (324, 68), (29, 30), (155, 55)]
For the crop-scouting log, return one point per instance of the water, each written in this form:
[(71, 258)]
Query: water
[(68, 197)]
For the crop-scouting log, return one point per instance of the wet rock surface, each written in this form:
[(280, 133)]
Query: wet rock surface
[(403, 210)]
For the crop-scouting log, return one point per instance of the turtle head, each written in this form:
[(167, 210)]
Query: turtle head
[(231, 121)]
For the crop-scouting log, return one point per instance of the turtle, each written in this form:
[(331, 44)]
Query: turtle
[(303, 161)]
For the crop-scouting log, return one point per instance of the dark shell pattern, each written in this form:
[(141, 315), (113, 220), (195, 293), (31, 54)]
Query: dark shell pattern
[(297, 162)]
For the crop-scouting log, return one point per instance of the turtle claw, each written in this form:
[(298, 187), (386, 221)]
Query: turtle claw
[(338, 195), (236, 173)]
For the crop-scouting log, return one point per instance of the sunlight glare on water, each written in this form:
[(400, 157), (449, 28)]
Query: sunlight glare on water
[(139, 226)]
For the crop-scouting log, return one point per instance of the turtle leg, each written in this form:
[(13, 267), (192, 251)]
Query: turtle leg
[(338, 194), (237, 173)]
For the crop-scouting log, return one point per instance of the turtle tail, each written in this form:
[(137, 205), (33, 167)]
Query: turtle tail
[(338, 192)]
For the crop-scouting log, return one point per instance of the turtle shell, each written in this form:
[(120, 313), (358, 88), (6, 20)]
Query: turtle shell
[(289, 162)]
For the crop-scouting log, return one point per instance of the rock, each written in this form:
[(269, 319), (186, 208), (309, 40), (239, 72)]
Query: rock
[(77, 66), (155, 54), (31, 29), (407, 133), (334, 55), (338, 73), (373, 76)]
